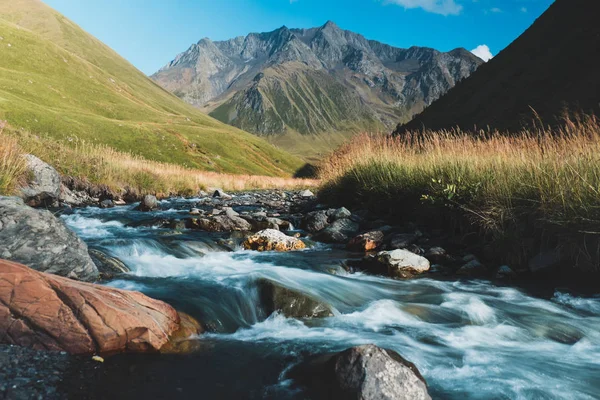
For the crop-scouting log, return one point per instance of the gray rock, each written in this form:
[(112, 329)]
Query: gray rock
[(220, 223), (195, 211), (107, 204), (341, 213), (316, 221), (437, 255), (363, 373), (340, 231), (290, 303), (272, 240), (220, 194), (43, 188), (505, 272), (306, 193), (402, 240), (472, 268), (230, 212), (75, 199), (148, 203), (107, 265), (402, 263), (38, 239)]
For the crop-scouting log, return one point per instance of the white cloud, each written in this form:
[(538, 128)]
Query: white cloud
[(496, 10), (483, 51), (524, 9), (443, 7)]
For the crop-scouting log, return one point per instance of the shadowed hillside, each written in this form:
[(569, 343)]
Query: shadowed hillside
[(554, 65), (58, 81)]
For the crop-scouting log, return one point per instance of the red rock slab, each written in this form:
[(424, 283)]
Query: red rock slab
[(49, 312)]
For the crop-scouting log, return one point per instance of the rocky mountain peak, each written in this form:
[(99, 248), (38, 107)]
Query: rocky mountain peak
[(313, 80)]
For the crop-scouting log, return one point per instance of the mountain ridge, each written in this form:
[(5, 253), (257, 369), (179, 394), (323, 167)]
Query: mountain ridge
[(236, 80)]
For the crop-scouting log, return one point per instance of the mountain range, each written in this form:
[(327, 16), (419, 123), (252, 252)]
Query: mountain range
[(293, 82), (58, 81), (552, 68)]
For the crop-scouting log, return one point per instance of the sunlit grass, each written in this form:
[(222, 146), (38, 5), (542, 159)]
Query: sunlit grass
[(543, 176), (102, 165)]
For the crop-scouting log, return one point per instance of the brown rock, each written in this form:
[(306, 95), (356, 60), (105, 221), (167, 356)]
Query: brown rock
[(273, 240), (182, 341), (45, 311), (366, 242)]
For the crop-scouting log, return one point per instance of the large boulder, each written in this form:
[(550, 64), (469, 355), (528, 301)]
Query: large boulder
[(43, 188), (402, 263), (48, 312), (363, 373), (40, 240), (273, 240), (340, 231), (291, 303)]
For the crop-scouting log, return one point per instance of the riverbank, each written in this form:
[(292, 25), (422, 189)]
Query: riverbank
[(511, 197)]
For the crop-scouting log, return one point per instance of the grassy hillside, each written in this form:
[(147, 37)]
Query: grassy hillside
[(117, 171), (56, 80)]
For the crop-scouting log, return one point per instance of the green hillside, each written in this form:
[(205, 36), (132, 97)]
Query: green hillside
[(59, 81)]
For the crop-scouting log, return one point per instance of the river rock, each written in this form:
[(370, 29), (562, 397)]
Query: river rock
[(220, 194), (306, 194), (107, 204), (75, 199), (183, 340), (437, 255), (48, 312), (148, 203), (340, 213), (107, 265), (44, 187), (472, 268), (316, 221), (402, 240), (402, 263), (273, 240), (40, 240), (365, 242), (290, 303), (505, 272), (363, 373), (220, 223), (339, 231)]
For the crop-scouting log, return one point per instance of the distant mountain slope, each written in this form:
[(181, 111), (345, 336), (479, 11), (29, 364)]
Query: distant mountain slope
[(57, 80), (315, 80), (554, 65)]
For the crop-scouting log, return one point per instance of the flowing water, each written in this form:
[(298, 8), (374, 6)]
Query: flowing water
[(471, 339)]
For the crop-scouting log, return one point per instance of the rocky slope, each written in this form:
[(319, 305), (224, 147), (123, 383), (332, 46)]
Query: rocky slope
[(551, 67), (312, 80)]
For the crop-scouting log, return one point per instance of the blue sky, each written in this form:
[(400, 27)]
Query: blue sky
[(149, 33)]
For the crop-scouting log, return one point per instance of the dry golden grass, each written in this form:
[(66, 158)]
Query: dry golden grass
[(102, 165), (12, 164), (553, 175)]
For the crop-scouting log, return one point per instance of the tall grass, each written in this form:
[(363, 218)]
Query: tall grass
[(102, 165), (12, 164), (547, 177)]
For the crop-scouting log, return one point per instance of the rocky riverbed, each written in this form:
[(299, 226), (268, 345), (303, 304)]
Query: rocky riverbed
[(269, 305)]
